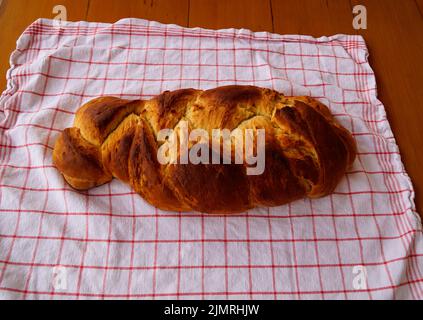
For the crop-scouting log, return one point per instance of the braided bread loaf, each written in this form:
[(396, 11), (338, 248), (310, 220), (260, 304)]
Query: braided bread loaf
[(306, 151)]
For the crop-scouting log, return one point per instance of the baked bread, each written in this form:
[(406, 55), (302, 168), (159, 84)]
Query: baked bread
[(306, 151)]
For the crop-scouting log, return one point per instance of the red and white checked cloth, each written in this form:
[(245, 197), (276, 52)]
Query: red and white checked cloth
[(58, 243)]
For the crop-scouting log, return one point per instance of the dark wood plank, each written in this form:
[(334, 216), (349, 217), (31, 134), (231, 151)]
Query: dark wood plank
[(16, 15), (249, 14), (312, 17), (165, 11), (419, 4)]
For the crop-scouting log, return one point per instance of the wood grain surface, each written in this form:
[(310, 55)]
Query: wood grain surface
[(394, 36)]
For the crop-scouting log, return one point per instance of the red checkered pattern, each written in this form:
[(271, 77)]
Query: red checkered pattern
[(363, 241)]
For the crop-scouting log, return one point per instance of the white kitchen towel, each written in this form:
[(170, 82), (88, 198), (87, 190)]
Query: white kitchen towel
[(363, 241)]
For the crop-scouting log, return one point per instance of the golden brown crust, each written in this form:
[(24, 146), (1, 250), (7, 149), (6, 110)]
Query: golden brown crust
[(78, 160), (145, 171), (306, 150), (100, 116)]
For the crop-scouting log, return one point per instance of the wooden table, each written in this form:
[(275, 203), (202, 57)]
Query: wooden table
[(394, 36)]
